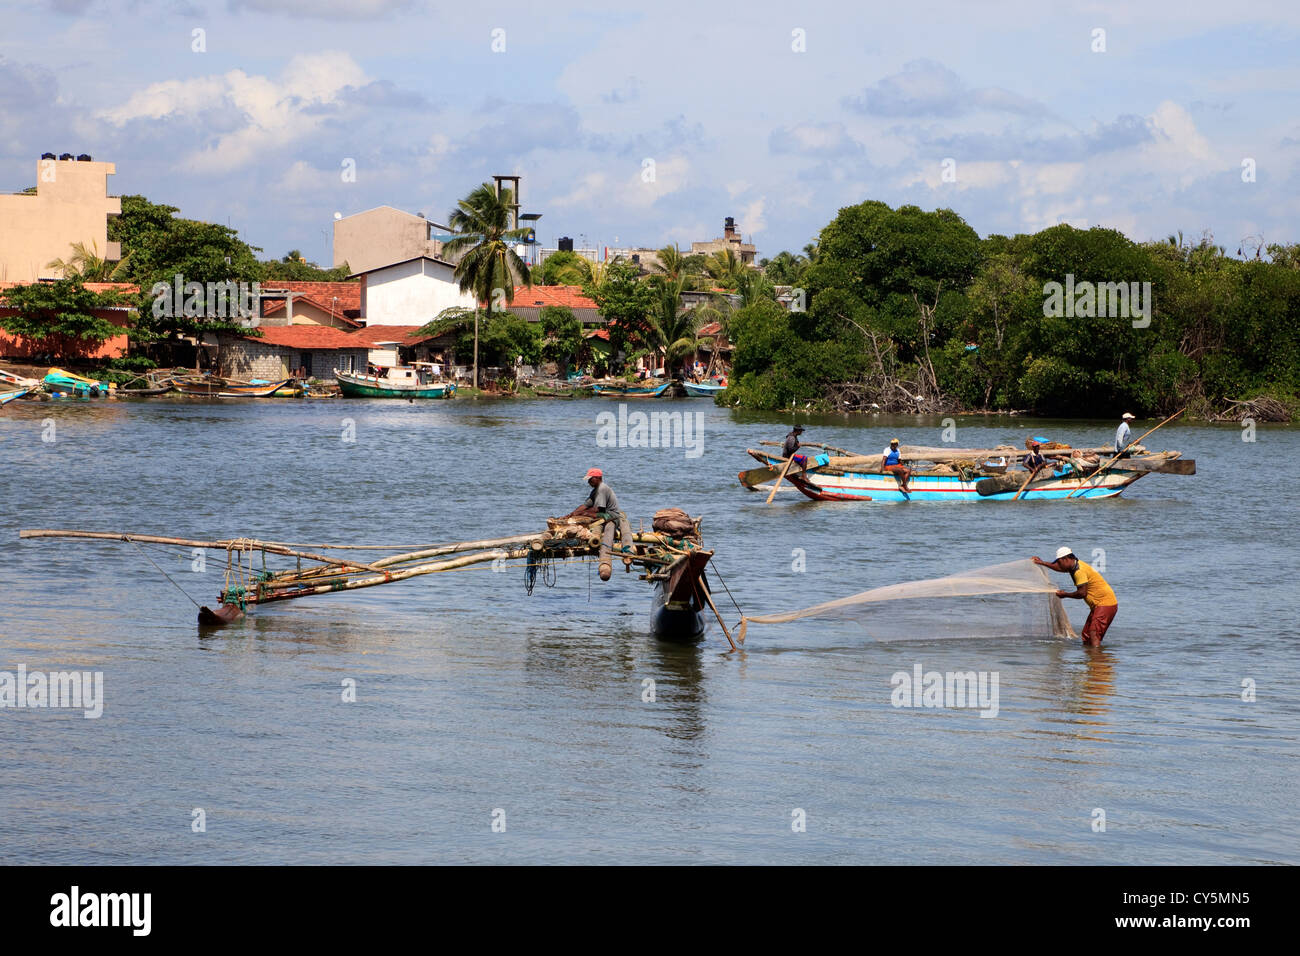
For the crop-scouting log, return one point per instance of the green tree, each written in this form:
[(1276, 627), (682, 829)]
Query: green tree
[(86, 263), (486, 265), (628, 307), (59, 317), (562, 341), (561, 268)]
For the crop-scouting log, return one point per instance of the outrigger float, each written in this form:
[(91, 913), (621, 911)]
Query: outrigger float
[(965, 474), (673, 563)]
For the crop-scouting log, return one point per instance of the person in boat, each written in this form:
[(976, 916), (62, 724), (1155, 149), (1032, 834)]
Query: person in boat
[(1035, 459), (603, 503), (891, 463), (791, 444), (1121, 435), (1089, 586)]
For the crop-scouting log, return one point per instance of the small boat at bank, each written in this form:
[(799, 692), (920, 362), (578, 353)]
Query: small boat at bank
[(213, 386), (967, 474), (61, 381), (630, 390), (703, 389), (402, 381), (12, 395)]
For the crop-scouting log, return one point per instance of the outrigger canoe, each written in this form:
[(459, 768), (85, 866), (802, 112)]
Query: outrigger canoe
[(214, 387), (60, 380), (845, 478), (648, 390), (7, 397), (703, 389)]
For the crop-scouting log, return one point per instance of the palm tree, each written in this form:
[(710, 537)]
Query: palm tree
[(725, 267), (674, 326), (86, 263), (670, 261), (487, 261)]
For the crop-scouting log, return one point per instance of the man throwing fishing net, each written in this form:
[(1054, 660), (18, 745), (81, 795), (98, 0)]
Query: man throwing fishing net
[(603, 503), (1092, 588)]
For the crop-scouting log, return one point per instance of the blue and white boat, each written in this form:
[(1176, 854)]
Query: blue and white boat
[(703, 389)]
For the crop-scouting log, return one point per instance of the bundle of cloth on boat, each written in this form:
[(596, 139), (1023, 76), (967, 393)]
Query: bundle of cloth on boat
[(674, 521), (1015, 599)]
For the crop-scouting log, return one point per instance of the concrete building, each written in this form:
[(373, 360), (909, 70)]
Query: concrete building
[(410, 292), (282, 350), (71, 204), (730, 239), (384, 235)]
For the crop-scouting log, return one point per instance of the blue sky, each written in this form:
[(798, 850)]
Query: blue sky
[(1148, 136)]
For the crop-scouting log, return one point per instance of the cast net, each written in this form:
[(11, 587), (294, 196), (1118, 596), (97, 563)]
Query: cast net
[(1016, 599)]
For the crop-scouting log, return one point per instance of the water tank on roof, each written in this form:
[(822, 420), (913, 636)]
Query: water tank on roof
[(65, 156), (84, 158), (47, 156), (566, 244)]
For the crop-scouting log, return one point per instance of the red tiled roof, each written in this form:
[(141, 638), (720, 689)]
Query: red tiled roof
[(713, 328), (348, 293), (568, 296), (275, 306), (307, 337), (599, 334), (372, 335)]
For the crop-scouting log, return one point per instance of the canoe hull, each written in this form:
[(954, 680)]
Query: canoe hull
[(677, 608), (616, 391), (370, 386), (866, 486), (702, 390), (229, 390), (7, 397)]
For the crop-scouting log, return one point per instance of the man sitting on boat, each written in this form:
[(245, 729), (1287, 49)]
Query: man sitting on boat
[(1092, 588), (1121, 435), (1035, 459), (891, 463), (603, 503)]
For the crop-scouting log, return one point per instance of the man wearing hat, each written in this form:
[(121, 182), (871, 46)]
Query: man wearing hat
[(892, 463), (603, 503), (1122, 433), (791, 442), (1091, 587)]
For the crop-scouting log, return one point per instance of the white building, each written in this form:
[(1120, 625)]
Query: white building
[(411, 292)]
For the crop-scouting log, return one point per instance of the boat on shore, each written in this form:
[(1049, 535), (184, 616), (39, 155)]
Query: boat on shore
[(966, 474), (61, 381), (703, 389), (214, 386), (12, 395), (616, 389), (401, 381)]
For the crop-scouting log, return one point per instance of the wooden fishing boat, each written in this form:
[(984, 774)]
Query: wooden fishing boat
[(959, 475), (61, 381), (402, 381), (674, 564), (212, 386), (16, 380), (630, 390), (703, 389), (12, 395)]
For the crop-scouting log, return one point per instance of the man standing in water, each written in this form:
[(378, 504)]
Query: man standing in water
[(603, 503), (1092, 588)]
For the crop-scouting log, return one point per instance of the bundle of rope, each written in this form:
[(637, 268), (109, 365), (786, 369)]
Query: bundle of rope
[(675, 522)]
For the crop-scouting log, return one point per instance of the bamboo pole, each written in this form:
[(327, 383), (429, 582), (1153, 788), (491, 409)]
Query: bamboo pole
[(1122, 450), (772, 494), (237, 544), (811, 444), (388, 576), (704, 589), (459, 546)]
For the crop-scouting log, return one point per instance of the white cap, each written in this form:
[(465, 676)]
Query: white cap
[(1127, 415), (1063, 553)]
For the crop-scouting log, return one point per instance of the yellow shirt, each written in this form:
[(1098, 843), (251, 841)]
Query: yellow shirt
[(1099, 592)]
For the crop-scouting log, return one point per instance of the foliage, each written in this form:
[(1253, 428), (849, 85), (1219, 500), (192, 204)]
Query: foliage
[(60, 316), (294, 267), (628, 307), (562, 341), (503, 337), (562, 268)]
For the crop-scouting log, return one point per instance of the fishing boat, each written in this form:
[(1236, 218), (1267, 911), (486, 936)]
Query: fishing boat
[(615, 389), (213, 386), (61, 381), (12, 395), (17, 381), (965, 474), (401, 381), (703, 389), (673, 561)]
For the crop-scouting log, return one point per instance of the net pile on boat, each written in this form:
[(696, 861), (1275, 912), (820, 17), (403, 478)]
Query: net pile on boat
[(1016, 599)]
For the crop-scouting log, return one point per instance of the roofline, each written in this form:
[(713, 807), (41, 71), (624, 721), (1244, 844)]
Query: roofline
[(401, 262)]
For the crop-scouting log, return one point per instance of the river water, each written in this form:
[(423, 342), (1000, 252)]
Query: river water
[(492, 726)]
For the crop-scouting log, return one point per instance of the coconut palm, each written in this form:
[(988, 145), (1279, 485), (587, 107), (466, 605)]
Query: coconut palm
[(673, 326), (86, 263), (725, 267), (486, 263), (670, 262)]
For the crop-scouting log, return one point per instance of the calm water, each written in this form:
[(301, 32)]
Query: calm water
[(473, 697)]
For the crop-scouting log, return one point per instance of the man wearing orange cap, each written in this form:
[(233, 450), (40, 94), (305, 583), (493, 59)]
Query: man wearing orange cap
[(603, 503)]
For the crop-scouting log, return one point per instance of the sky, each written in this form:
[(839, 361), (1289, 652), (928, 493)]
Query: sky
[(647, 124)]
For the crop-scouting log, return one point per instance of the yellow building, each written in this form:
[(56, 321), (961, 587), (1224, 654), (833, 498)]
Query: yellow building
[(71, 205)]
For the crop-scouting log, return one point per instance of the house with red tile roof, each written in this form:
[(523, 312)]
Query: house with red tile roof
[(529, 302), (15, 346), (282, 351), (411, 292), (337, 304)]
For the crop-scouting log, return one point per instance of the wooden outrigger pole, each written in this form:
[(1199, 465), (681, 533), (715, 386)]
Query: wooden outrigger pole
[(675, 565)]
